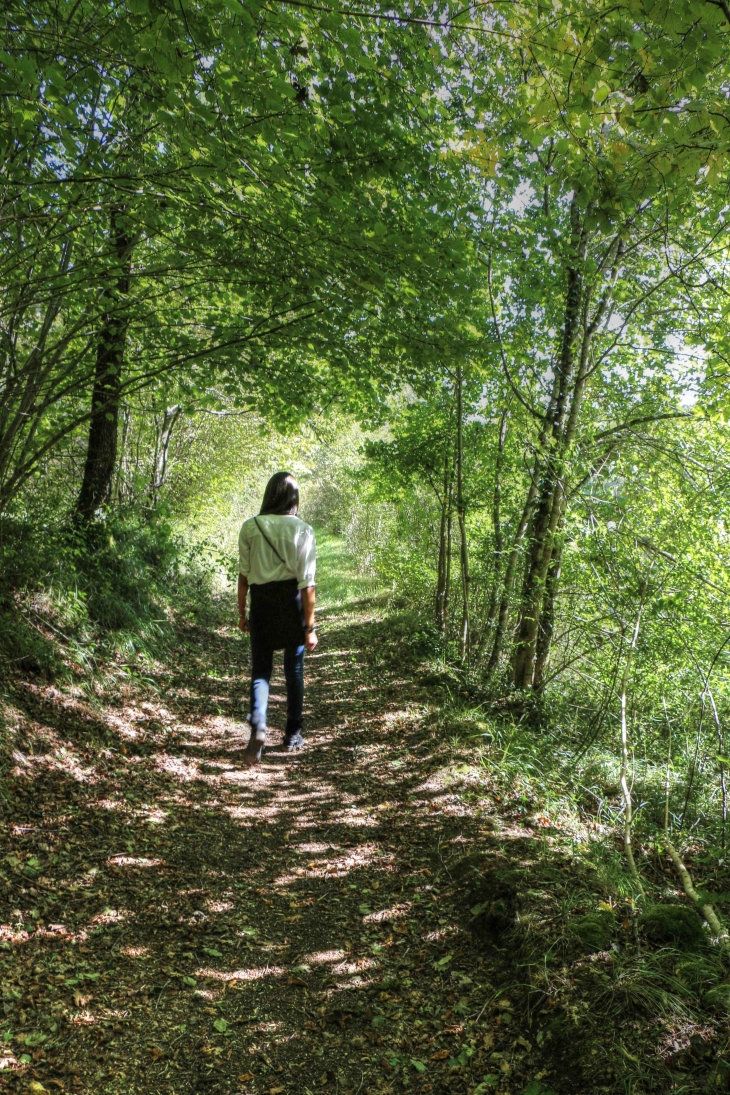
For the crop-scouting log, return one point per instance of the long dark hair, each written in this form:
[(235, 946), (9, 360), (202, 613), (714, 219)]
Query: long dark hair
[(281, 494)]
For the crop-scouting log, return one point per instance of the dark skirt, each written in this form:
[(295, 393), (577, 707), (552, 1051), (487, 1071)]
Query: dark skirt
[(276, 618)]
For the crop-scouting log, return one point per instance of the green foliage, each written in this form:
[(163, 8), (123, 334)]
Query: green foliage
[(718, 999)]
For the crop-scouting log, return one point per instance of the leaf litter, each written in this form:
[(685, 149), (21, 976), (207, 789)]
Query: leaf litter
[(175, 922)]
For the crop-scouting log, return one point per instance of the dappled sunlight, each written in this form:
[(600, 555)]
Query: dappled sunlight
[(253, 974), (134, 861), (111, 916), (320, 957), (396, 912), (216, 918)]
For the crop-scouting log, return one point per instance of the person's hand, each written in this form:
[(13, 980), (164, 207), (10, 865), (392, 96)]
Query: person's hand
[(310, 640), (243, 624)]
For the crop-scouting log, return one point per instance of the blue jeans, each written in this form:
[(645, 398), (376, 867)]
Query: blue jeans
[(262, 664)]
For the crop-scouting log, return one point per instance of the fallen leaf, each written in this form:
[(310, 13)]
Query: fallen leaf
[(245, 1077), (295, 981), (441, 1055), (156, 1053), (276, 1090)]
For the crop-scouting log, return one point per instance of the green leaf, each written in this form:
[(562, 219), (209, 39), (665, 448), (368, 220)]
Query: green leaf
[(212, 952), (489, 1081), (221, 1025)]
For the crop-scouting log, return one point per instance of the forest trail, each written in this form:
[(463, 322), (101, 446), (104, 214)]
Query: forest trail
[(180, 923)]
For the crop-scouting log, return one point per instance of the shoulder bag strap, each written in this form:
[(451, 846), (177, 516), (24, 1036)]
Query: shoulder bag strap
[(268, 541)]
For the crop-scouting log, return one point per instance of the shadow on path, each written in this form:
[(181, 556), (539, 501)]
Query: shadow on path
[(174, 922)]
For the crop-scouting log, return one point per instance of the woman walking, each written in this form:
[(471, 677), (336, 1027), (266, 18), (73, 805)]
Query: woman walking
[(276, 565)]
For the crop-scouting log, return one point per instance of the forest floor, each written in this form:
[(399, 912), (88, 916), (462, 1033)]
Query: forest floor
[(173, 922)]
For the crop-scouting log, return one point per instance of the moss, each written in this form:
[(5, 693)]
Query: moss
[(675, 924), (719, 999), (594, 931), (699, 974)]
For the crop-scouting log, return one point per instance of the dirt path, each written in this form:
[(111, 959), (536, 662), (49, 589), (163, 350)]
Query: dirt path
[(175, 923)]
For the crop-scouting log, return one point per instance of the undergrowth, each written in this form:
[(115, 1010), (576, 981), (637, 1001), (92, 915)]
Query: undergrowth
[(80, 598)]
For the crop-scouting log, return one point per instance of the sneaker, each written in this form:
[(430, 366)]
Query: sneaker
[(296, 741), (255, 748), (252, 757)]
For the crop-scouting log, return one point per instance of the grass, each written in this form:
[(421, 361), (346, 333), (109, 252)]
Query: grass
[(338, 580)]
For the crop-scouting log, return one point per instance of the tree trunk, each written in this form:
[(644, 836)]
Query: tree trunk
[(509, 581), (461, 515), (101, 453), (444, 546), (550, 490), (547, 615), (447, 579), (498, 551), (542, 572), (162, 449)]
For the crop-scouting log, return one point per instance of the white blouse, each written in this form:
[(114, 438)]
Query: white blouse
[(293, 540)]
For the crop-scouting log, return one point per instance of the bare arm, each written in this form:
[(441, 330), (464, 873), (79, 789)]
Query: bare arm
[(310, 637), (242, 594)]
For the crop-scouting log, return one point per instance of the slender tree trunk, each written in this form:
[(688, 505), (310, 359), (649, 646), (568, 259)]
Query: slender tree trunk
[(101, 453), (461, 515), (123, 466), (547, 615), (449, 539), (624, 774), (162, 449), (498, 552), (441, 592), (509, 581)]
